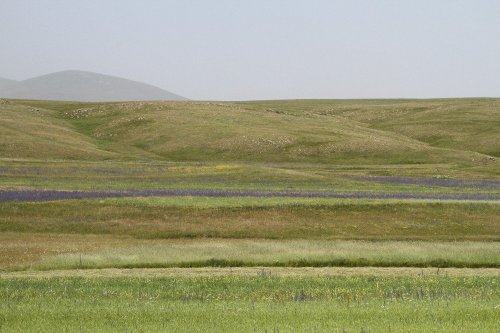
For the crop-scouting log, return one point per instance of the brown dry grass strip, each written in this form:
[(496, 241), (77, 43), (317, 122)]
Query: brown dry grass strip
[(254, 271)]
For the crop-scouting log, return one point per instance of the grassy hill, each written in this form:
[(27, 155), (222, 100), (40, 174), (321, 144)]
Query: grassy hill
[(458, 131), (463, 124), (38, 133)]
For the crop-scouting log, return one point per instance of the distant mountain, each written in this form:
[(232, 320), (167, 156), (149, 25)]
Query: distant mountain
[(5, 83), (83, 86)]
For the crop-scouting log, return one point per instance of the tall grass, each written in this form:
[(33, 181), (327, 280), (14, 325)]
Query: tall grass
[(105, 252), (260, 303)]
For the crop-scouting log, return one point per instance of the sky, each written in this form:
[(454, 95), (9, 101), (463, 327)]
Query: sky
[(263, 49)]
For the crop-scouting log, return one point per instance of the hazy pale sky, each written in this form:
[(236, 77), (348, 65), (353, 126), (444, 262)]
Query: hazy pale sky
[(263, 49)]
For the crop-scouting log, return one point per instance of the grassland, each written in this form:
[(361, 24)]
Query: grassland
[(59, 259), (257, 303), (257, 218), (340, 132)]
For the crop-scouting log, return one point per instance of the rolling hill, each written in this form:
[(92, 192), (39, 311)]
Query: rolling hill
[(334, 132), (83, 86)]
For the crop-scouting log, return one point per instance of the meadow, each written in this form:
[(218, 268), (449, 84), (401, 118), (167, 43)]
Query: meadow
[(301, 215), (258, 302)]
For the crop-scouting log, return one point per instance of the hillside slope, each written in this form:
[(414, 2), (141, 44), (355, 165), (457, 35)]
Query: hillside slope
[(5, 83), (27, 132), (463, 124), (84, 86), (289, 131)]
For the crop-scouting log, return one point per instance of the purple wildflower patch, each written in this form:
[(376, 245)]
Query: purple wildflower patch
[(43, 195)]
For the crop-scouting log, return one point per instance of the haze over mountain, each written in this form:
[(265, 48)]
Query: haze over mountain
[(74, 85), (4, 83)]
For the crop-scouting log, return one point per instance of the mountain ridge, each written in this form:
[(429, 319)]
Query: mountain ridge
[(84, 86)]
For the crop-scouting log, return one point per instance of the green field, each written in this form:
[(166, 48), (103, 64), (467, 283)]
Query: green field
[(256, 302), (226, 263)]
